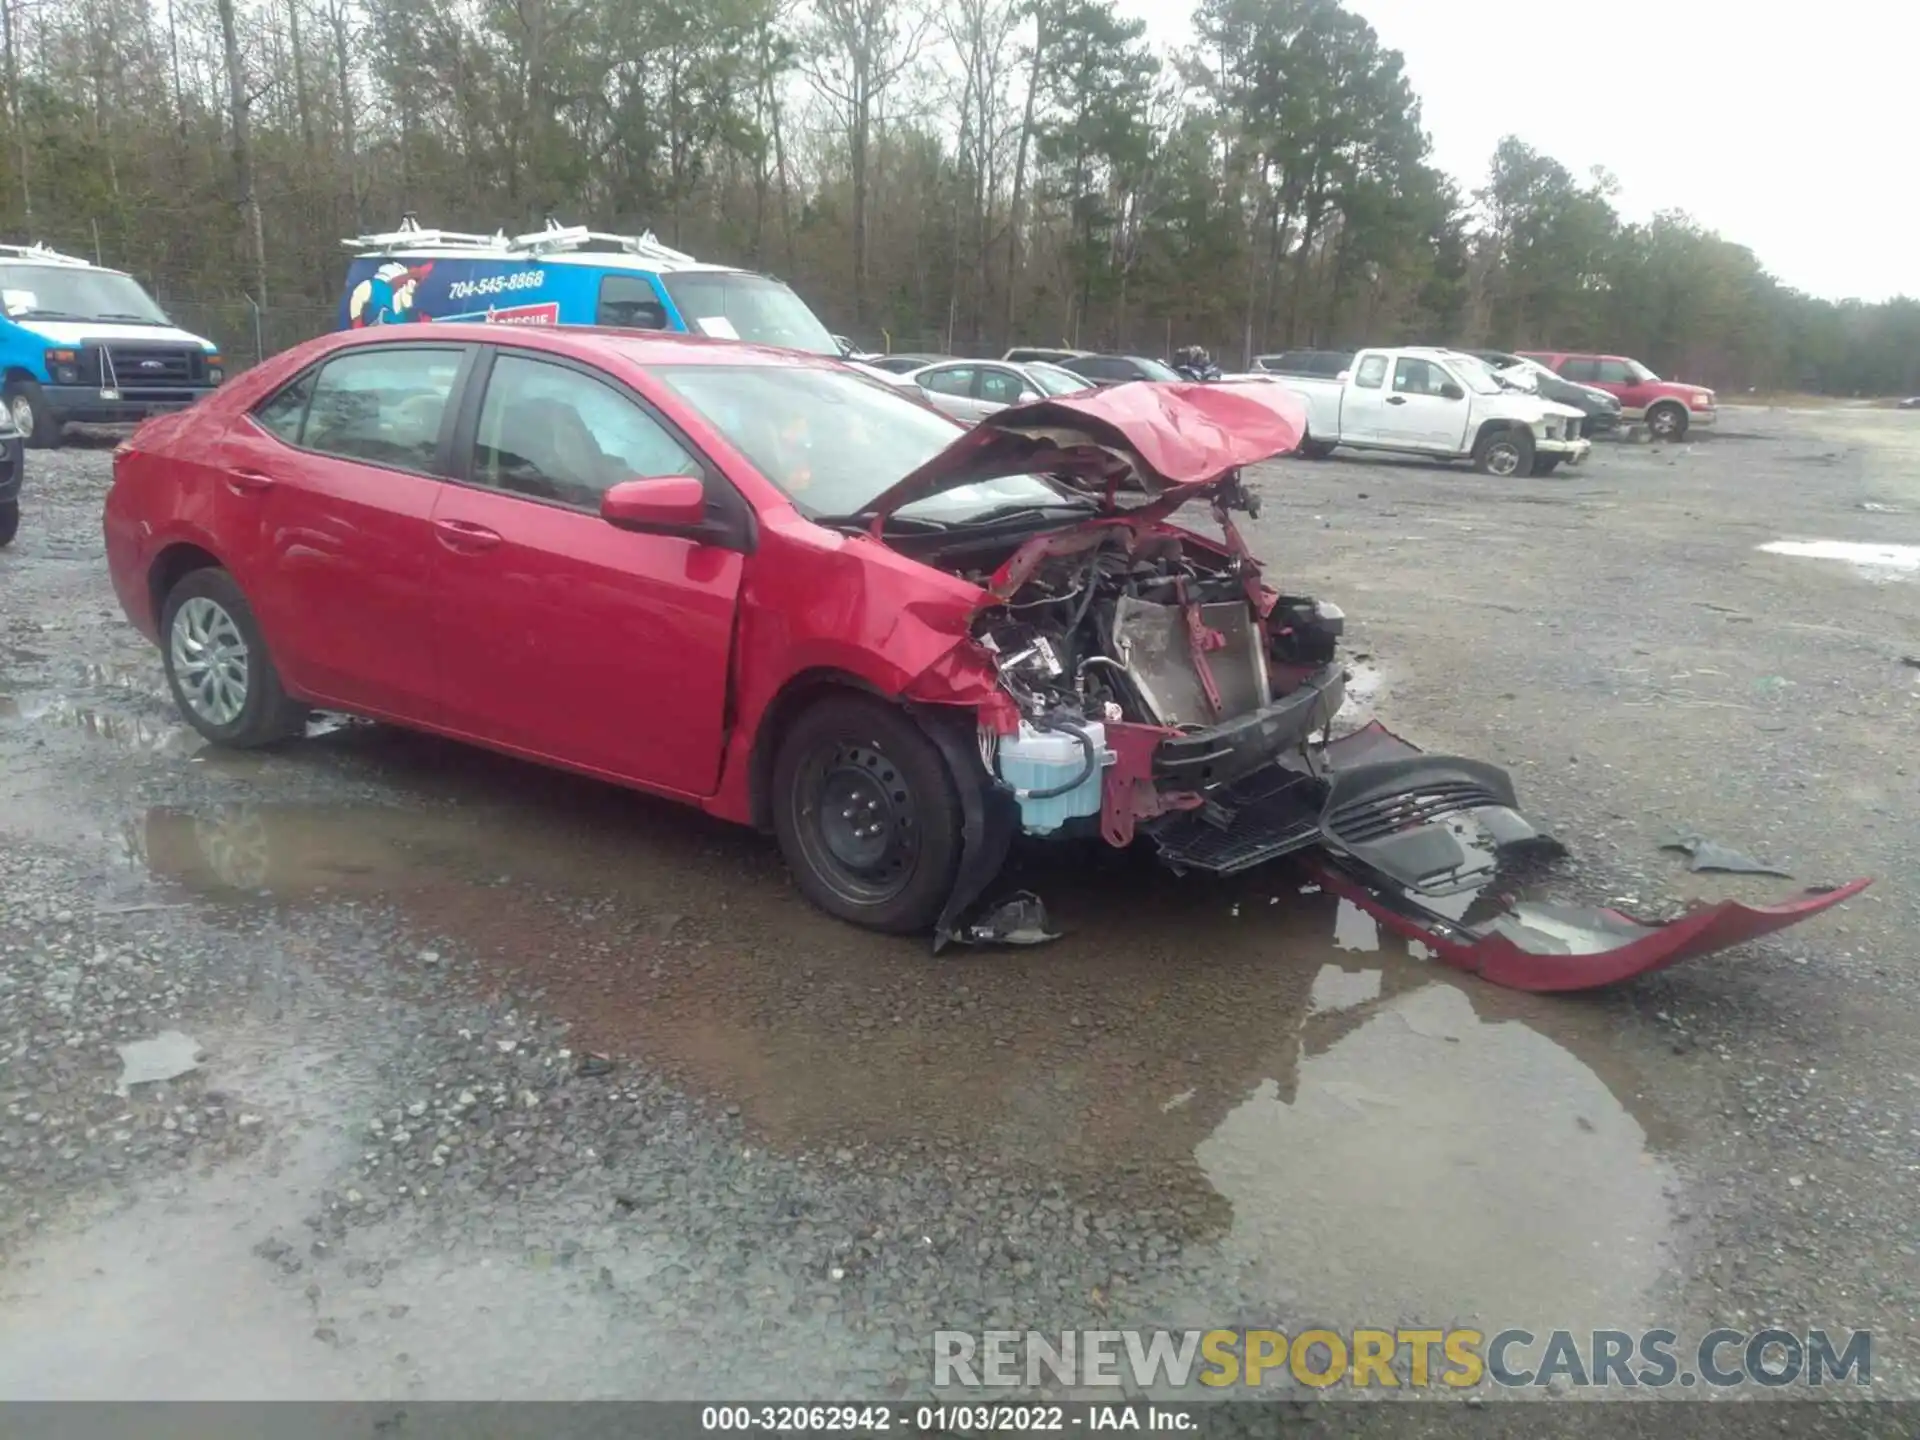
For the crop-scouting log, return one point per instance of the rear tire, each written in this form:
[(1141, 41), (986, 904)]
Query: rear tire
[(37, 424), (866, 815), (222, 677), (1546, 464), (1504, 453), (1667, 421), (9, 521)]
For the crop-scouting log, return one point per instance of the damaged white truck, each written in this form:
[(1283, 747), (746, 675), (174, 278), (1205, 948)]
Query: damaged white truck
[(1438, 403)]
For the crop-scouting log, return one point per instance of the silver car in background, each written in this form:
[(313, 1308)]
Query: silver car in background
[(971, 390)]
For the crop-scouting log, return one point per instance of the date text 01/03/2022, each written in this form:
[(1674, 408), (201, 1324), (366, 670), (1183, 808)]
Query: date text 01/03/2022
[(907, 1417)]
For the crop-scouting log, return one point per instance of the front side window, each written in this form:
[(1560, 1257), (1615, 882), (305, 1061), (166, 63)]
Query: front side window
[(629, 303), (1002, 387), (1418, 377), (382, 404), (552, 433), (1372, 372), (1614, 372)]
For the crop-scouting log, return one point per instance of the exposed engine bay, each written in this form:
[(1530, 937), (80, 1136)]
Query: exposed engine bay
[(1162, 632)]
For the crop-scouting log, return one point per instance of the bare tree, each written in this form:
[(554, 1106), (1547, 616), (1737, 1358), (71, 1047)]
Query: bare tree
[(853, 52), (240, 101)]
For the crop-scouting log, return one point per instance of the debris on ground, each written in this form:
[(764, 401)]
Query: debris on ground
[(167, 1056), (1706, 854), (1020, 919)]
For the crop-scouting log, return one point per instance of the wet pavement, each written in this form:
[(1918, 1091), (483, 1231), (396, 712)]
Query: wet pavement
[(498, 1082)]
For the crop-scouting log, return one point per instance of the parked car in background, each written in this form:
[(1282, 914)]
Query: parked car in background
[(1424, 401), (1669, 408), (1325, 363), (1602, 410), (1119, 369), (903, 362), (13, 468), (971, 390), (83, 344), (1027, 354)]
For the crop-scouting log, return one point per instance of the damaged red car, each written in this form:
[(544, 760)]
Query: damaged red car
[(767, 585)]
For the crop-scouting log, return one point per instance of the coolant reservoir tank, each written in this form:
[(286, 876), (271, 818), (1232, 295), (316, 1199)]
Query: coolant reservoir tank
[(1040, 760)]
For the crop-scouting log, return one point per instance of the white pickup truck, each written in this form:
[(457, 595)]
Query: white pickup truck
[(1440, 403)]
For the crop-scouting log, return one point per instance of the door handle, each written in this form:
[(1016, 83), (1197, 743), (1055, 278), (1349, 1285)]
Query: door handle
[(248, 482), (465, 535), (1396, 399)]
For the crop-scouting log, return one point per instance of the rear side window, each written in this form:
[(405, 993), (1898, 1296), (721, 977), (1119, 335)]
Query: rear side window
[(286, 411), (951, 380), (383, 405), (629, 303), (1372, 372)]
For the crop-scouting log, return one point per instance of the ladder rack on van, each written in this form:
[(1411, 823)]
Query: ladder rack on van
[(41, 255), (553, 239)]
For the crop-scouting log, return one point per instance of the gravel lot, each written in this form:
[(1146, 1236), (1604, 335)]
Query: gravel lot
[(511, 1085)]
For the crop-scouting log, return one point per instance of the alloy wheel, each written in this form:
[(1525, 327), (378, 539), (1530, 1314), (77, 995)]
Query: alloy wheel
[(210, 661)]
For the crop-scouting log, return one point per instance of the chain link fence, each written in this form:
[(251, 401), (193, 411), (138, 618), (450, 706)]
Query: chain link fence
[(248, 334)]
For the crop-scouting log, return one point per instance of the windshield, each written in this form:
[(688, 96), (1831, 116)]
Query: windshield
[(1641, 375), (1055, 381), (1476, 375), (832, 441), (59, 292), (1154, 370), (733, 305)]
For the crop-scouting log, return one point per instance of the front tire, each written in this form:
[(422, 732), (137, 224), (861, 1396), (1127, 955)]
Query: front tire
[(9, 521), (1316, 449), (1546, 464), (1504, 453), (1667, 421), (39, 427), (866, 815), (222, 677)]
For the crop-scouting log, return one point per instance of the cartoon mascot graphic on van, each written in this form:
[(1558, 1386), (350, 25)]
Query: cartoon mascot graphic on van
[(386, 297)]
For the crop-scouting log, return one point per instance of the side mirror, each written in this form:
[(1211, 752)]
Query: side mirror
[(1344, 376), (667, 504), (1452, 391)]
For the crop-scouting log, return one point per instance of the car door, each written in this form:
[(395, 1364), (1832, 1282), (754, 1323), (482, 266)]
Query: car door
[(1616, 378), (341, 469), (562, 636), (1363, 403), (1421, 413), (950, 389)]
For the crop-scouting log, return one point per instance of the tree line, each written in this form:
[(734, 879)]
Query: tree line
[(930, 174)]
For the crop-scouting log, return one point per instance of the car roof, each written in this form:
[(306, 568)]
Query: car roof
[(585, 342)]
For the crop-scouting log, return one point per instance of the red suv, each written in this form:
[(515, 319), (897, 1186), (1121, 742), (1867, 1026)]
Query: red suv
[(1668, 408)]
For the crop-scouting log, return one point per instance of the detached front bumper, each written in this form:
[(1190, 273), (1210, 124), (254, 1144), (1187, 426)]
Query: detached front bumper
[(1434, 847)]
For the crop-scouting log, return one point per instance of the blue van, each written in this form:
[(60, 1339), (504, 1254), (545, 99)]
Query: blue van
[(568, 275), (79, 342)]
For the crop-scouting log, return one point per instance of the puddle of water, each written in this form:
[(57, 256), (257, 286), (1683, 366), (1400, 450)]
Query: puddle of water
[(660, 937), (1355, 929), (1875, 562), (134, 732), (1432, 1165)]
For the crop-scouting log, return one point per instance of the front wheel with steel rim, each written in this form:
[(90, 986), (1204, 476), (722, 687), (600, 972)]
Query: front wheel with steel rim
[(1667, 422), (866, 815), (27, 408), (218, 668), (1504, 452), (9, 521)]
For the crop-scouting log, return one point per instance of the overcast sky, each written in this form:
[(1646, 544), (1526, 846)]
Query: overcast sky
[(1790, 132)]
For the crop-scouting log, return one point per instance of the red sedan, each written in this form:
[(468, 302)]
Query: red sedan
[(767, 585)]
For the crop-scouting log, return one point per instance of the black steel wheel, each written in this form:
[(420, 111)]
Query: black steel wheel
[(866, 815)]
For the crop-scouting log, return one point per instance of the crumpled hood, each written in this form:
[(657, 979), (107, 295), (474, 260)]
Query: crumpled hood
[(1148, 439)]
